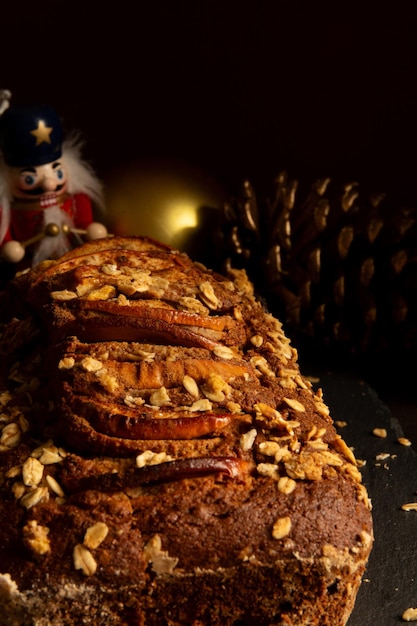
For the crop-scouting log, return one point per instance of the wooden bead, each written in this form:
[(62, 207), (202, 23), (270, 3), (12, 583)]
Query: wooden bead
[(12, 252), (96, 230)]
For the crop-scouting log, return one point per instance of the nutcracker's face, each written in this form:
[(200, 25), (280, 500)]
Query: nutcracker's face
[(43, 184)]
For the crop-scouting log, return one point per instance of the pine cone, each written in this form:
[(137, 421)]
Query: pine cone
[(338, 266)]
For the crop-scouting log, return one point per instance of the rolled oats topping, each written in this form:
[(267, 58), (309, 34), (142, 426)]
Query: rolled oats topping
[(286, 485), (161, 561), (410, 615), (191, 304), (95, 535), (50, 456), (318, 444), (36, 537), (269, 448), (301, 382), (103, 293), (295, 404), (237, 313), (322, 408), (380, 432), (257, 340), (287, 383), (268, 469), (10, 435), (262, 365), (5, 398), (23, 423), (282, 454), (191, 386), (133, 287), (201, 405), (122, 300), (34, 497), (410, 506), (273, 418), (110, 269), (141, 355), (248, 439), (160, 397), (18, 490), (362, 496), (133, 401), (109, 382), (66, 363), (152, 458), (311, 465), (84, 560), (216, 388), (63, 295), (268, 411), (403, 441), (223, 352), (233, 407), (281, 528), (14, 471), (32, 472), (315, 433), (208, 296), (89, 364), (54, 486)]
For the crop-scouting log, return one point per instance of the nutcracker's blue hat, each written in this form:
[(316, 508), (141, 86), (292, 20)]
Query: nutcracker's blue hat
[(30, 135)]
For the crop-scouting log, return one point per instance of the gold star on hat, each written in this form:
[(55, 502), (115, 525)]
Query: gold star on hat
[(42, 133)]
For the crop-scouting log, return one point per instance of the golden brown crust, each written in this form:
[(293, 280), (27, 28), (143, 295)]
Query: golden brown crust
[(158, 445)]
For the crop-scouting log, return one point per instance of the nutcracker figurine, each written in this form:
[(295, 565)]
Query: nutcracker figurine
[(46, 189)]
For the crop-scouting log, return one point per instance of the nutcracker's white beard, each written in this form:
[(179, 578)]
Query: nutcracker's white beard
[(54, 247)]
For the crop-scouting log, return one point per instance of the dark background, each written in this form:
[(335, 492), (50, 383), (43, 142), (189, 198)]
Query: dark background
[(241, 90)]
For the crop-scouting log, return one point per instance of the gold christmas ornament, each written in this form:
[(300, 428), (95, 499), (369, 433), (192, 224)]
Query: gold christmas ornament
[(171, 201)]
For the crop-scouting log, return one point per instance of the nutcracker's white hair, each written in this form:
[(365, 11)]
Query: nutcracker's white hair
[(81, 176)]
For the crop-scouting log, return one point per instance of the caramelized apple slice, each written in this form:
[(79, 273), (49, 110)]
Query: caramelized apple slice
[(78, 434), (133, 425), (231, 467), (144, 329), (140, 308)]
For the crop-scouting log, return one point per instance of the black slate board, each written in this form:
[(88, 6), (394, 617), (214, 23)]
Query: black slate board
[(389, 584)]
